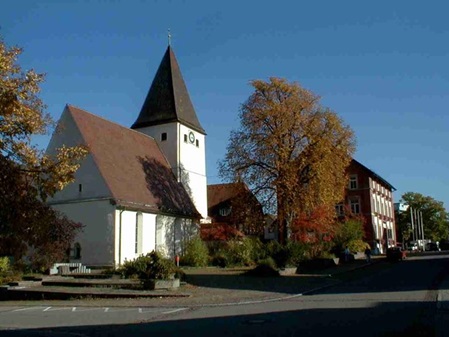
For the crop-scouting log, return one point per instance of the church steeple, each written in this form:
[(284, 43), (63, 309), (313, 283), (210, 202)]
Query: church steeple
[(168, 99)]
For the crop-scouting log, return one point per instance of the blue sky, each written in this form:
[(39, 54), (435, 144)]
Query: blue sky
[(381, 65)]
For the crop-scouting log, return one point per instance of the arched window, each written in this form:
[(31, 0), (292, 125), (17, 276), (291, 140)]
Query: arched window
[(77, 251)]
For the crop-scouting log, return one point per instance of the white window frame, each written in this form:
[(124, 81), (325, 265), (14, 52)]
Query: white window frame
[(340, 209), (354, 204), (224, 211), (353, 182)]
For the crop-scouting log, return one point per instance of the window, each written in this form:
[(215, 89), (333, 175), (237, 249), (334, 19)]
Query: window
[(76, 251), (80, 187), (163, 136), (354, 203), (197, 143), (138, 238), (185, 138), (340, 209), (353, 182), (225, 211)]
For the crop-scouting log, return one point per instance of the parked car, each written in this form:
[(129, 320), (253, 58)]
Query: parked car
[(413, 247), (444, 244), (433, 247), (396, 254)]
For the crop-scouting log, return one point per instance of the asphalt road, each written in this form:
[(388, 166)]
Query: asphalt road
[(398, 299)]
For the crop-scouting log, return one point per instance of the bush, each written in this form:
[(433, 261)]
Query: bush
[(197, 254), (265, 268), (7, 273), (151, 266), (326, 255), (296, 252), (256, 247), (357, 245), (179, 274), (240, 252), (4, 265), (277, 252), (220, 260)]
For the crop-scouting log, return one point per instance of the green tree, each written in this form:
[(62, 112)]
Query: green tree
[(350, 233), (291, 151), (435, 216), (28, 176)]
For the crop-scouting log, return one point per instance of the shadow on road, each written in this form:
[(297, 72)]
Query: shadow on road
[(399, 276), (398, 319)]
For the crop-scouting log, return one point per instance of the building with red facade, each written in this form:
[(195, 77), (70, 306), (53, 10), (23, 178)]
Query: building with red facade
[(372, 196)]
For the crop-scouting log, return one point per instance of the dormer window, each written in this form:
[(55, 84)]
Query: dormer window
[(163, 136), (225, 211)]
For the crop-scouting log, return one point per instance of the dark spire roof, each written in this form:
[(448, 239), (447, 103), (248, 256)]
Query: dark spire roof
[(168, 99)]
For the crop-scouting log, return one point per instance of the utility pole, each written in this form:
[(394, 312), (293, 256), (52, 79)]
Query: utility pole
[(422, 231), (413, 223)]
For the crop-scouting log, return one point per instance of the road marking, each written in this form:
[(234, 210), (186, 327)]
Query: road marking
[(106, 309), (175, 310), (46, 309), (57, 309), (26, 309)]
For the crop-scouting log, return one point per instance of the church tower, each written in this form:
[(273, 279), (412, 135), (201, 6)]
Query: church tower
[(168, 116)]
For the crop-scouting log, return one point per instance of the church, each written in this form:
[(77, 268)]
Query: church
[(141, 188)]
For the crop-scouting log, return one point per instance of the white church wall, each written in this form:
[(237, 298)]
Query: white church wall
[(172, 234), (149, 233), (193, 164), (185, 158), (88, 176), (133, 245), (97, 236), (168, 146), (165, 235)]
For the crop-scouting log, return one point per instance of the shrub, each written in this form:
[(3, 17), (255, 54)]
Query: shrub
[(277, 252), (296, 252), (256, 248), (180, 274), (357, 245), (151, 266), (268, 262), (240, 252), (220, 260), (7, 273), (197, 254), (265, 268), (4, 265)]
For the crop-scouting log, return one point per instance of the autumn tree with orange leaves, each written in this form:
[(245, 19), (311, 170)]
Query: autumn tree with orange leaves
[(27, 175), (290, 150)]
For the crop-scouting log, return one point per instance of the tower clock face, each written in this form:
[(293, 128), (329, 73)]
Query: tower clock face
[(191, 137)]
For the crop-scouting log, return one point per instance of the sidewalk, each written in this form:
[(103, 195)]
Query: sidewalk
[(205, 287)]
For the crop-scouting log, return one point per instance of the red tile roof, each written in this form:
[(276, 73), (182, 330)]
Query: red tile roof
[(218, 193), (133, 166)]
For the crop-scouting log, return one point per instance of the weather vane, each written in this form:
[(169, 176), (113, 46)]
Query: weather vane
[(169, 37)]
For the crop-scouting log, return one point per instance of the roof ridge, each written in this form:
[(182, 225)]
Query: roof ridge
[(109, 121), (141, 134)]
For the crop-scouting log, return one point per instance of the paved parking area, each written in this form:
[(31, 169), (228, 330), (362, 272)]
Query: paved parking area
[(23, 317)]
